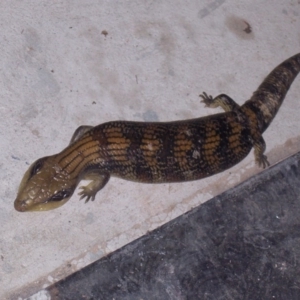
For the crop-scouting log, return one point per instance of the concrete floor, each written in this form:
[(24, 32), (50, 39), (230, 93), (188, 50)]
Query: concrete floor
[(68, 63), (241, 244)]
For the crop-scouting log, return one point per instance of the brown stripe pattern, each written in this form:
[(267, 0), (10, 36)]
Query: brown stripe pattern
[(159, 152)]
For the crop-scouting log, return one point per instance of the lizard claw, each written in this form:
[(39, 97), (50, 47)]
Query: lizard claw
[(86, 192), (263, 161), (207, 100)]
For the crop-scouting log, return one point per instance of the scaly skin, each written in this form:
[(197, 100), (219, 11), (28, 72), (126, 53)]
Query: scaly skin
[(158, 152)]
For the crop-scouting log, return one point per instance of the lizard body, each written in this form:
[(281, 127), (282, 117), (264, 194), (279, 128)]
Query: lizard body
[(156, 152)]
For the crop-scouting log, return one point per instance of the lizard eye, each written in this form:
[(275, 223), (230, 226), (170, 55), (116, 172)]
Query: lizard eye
[(37, 167), (61, 195)]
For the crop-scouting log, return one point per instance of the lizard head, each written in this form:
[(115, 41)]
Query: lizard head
[(44, 186)]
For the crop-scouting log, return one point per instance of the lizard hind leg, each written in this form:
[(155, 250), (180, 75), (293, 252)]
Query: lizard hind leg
[(259, 149), (222, 101)]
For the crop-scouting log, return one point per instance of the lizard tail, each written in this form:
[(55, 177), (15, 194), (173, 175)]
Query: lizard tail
[(267, 99)]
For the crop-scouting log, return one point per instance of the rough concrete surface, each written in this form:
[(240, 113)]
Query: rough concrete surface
[(69, 63), (241, 244)]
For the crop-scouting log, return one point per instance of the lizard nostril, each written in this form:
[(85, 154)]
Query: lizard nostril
[(20, 205)]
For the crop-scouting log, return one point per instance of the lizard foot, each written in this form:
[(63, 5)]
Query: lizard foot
[(87, 193), (207, 100), (262, 161)]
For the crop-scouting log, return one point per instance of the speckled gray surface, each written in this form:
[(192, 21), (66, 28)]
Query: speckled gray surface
[(243, 244), (69, 63)]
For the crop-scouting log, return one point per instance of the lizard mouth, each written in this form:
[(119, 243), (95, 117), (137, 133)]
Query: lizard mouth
[(29, 205)]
